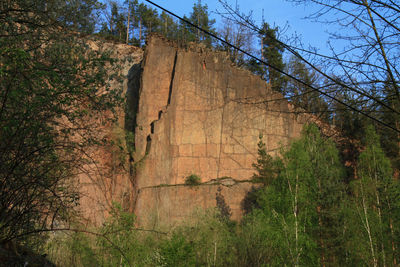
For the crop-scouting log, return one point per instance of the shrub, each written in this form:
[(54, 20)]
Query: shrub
[(177, 251), (193, 179)]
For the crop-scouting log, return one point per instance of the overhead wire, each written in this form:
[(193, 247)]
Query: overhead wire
[(274, 68), (253, 27)]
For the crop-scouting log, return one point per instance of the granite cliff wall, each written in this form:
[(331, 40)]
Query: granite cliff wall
[(189, 111), (106, 178), (199, 114)]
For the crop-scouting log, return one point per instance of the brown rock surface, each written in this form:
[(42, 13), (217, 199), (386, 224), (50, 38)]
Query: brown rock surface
[(171, 204), (198, 114), (191, 112), (106, 177)]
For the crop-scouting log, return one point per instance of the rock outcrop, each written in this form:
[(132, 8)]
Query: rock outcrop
[(106, 178), (189, 111), (199, 114)]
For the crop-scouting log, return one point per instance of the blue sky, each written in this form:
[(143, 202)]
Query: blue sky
[(276, 12)]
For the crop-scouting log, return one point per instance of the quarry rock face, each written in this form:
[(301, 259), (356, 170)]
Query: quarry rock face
[(189, 111), (105, 180), (196, 113)]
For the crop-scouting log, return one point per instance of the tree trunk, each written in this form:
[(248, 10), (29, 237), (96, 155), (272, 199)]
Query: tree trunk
[(128, 24), (140, 32), (378, 202), (367, 226), (166, 26)]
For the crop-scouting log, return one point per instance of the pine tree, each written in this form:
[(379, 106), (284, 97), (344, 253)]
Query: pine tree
[(301, 95), (200, 17), (328, 174), (266, 168), (168, 27), (77, 15), (148, 21), (271, 52), (390, 139)]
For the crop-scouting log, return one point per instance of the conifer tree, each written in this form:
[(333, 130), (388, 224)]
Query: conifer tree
[(301, 95), (271, 52), (390, 140), (168, 27), (266, 168), (200, 17)]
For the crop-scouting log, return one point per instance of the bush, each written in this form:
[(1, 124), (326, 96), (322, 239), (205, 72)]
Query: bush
[(211, 238), (177, 251), (193, 179)]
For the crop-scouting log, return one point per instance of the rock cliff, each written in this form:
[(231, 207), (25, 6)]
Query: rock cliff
[(106, 178), (190, 111), (198, 114)]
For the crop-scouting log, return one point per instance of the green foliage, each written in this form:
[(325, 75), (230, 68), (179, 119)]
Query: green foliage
[(193, 179), (250, 201), (300, 203), (266, 167), (212, 239), (79, 15), (259, 242), (71, 249), (272, 53), (351, 123), (177, 251), (374, 206), (130, 141), (200, 17), (303, 216), (118, 243), (168, 27), (222, 206), (80, 250), (203, 241), (49, 85), (306, 216), (390, 140), (302, 96)]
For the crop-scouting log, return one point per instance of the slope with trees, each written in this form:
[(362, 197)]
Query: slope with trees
[(49, 98)]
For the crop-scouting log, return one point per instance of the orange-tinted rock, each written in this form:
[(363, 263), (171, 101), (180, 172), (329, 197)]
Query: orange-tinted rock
[(192, 112), (200, 115), (106, 178), (171, 204)]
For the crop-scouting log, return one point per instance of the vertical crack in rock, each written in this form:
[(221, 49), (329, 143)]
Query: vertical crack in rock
[(132, 102), (226, 101), (131, 111), (148, 144), (152, 124), (172, 78), (220, 140)]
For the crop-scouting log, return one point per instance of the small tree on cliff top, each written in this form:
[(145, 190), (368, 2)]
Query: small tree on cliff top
[(200, 17)]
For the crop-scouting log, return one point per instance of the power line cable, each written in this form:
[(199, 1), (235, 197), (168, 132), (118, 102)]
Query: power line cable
[(295, 53), (273, 67)]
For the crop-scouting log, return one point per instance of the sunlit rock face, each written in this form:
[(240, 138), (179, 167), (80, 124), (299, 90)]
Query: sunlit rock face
[(188, 110), (106, 179), (199, 114)]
